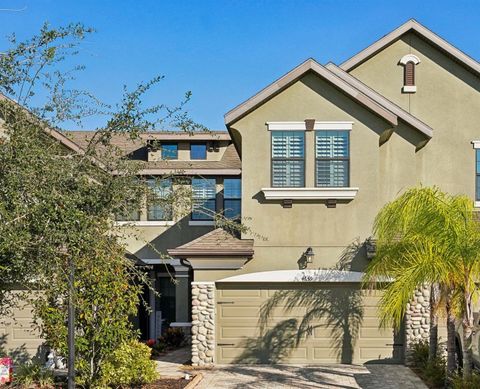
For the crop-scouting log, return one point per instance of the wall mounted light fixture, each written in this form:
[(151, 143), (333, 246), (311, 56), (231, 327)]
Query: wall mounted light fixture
[(309, 254)]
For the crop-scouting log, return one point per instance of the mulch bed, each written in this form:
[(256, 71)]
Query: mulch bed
[(167, 383)]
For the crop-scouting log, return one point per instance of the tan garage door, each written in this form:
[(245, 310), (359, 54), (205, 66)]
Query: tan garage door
[(302, 323), (18, 336)]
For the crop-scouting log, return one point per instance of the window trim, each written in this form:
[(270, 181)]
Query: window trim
[(476, 146), (301, 126), (161, 151), (287, 159), (332, 159), (206, 151)]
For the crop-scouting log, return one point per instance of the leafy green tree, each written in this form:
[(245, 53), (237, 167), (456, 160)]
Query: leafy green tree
[(428, 236), (56, 205)]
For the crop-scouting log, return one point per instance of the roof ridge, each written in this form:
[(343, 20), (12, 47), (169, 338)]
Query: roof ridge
[(292, 76), (414, 25)]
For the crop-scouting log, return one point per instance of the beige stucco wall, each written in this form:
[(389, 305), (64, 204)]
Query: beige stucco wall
[(447, 99)]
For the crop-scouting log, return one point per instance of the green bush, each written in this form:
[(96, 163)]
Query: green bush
[(458, 382), (419, 354), (33, 373), (432, 372), (173, 338), (128, 365)]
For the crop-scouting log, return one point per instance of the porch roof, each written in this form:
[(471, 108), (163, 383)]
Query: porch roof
[(216, 243)]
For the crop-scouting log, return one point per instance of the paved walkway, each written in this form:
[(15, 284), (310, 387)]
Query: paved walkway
[(171, 364), (324, 376)]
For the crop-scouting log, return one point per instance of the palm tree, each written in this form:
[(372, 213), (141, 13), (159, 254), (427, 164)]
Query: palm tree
[(428, 236)]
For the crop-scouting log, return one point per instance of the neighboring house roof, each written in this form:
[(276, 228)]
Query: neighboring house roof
[(229, 164), (310, 65), (413, 26), (400, 112), (49, 130), (215, 243)]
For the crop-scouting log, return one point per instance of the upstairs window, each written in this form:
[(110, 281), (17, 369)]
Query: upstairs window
[(477, 175), (198, 151), (288, 159), (203, 198), (332, 154), (169, 150), (159, 205), (232, 194), (128, 216)]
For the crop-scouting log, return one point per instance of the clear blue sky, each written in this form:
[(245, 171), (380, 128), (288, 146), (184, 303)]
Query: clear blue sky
[(225, 51)]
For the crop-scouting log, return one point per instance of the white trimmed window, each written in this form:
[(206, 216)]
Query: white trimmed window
[(288, 159), (332, 159)]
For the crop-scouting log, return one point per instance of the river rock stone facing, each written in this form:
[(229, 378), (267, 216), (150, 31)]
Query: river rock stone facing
[(417, 319), (203, 323)]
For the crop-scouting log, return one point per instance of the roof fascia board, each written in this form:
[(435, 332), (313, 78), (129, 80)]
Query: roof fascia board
[(292, 76), (402, 114), (415, 26)]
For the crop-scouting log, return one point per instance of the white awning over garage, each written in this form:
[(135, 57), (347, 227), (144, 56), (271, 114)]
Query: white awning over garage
[(307, 275)]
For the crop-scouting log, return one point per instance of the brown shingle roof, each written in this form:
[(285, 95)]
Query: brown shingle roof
[(137, 150), (215, 243)]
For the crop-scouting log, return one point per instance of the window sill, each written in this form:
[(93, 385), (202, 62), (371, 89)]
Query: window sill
[(309, 193), (409, 88), (201, 223), (146, 223)]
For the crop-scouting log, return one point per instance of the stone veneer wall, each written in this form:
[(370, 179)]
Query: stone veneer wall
[(203, 323), (417, 319)]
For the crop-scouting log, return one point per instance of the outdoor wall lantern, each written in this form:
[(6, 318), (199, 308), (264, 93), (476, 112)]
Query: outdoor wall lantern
[(309, 254)]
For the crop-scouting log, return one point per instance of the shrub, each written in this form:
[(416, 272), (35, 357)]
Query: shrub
[(458, 382), (33, 373), (431, 371), (128, 365), (158, 348), (419, 354), (173, 338)]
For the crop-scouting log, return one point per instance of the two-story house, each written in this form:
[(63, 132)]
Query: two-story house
[(206, 162), (323, 148)]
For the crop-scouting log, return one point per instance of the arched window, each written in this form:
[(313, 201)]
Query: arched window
[(409, 74), (409, 62)]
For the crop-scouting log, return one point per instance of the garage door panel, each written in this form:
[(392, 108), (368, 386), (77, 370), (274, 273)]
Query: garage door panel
[(343, 329), (240, 294), (236, 311)]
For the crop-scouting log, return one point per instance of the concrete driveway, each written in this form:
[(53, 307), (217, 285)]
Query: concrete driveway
[(323, 376)]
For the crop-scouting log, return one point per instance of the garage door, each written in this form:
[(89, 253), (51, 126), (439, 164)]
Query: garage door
[(18, 336), (302, 323)]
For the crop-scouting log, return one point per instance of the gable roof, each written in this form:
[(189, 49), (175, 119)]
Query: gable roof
[(400, 112), (215, 243), (310, 65), (423, 32)]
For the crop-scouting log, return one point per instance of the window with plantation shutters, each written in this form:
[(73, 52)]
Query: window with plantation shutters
[(332, 158), (288, 159), (203, 198)]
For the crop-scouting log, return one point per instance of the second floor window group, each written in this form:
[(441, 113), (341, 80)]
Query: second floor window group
[(332, 158)]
